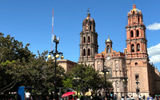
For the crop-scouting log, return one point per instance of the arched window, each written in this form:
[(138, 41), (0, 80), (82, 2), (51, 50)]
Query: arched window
[(138, 20), (136, 76), (89, 39), (137, 33), (131, 33), (108, 49), (132, 48), (133, 12), (84, 52), (84, 39), (138, 47), (89, 52)]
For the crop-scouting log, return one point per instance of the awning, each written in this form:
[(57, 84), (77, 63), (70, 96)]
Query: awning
[(67, 94)]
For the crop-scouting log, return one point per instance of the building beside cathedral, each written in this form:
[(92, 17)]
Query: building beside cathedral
[(129, 71)]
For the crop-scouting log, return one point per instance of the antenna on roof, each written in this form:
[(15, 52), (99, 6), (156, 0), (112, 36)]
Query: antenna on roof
[(88, 13), (52, 19), (52, 33), (88, 10)]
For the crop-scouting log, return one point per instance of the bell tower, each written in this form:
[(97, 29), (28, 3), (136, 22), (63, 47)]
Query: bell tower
[(137, 62), (88, 41), (108, 45), (136, 38)]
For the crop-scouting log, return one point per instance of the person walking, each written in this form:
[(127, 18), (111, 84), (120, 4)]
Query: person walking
[(149, 98), (27, 95), (144, 97), (140, 97)]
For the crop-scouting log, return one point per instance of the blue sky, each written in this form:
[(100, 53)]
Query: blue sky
[(30, 21)]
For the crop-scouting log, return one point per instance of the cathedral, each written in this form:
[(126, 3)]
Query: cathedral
[(130, 72)]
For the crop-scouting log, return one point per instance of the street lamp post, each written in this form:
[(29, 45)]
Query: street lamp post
[(56, 55), (104, 71), (125, 81), (77, 79), (137, 88)]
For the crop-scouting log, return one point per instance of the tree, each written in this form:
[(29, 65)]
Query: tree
[(41, 75), (19, 66), (12, 49), (12, 57), (88, 79)]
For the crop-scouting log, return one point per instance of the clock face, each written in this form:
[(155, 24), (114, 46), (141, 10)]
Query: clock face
[(108, 58)]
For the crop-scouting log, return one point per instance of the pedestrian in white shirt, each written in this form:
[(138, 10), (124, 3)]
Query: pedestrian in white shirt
[(27, 95)]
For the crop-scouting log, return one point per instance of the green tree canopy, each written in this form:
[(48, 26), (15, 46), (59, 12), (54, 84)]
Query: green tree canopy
[(19, 66), (88, 78), (12, 57)]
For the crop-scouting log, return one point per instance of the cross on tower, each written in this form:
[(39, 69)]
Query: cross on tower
[(88, 10)]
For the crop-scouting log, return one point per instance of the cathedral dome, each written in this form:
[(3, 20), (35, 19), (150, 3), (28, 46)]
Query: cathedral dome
[(134, 10), (108, 40), (88, 20)]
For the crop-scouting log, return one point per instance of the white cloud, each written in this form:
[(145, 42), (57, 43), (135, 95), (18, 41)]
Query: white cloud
[(155, 59), (154, 53), (154, 50), (154, 26)]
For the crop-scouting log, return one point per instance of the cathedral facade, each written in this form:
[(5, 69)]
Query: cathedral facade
[(130, 71)]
